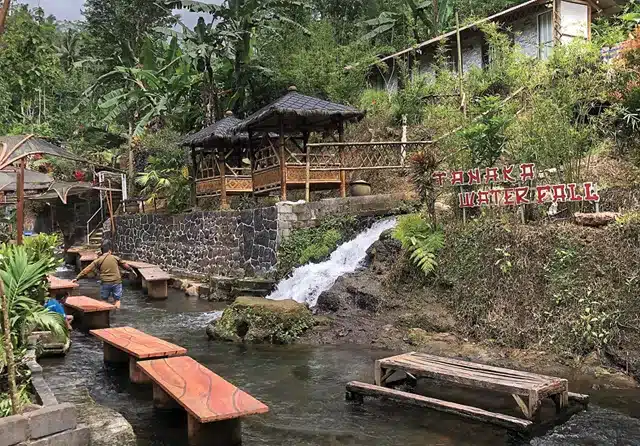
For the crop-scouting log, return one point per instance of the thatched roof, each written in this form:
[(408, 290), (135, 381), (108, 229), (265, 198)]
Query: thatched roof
[(299, 112), (221, 133), (13, 148)]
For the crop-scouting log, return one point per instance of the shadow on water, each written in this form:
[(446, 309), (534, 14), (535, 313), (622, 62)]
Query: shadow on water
[(303, 386)]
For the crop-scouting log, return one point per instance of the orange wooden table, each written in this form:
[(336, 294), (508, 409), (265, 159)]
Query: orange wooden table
[(126, 344), (214, 405), (60, 287), (91, 313), (156, 282)]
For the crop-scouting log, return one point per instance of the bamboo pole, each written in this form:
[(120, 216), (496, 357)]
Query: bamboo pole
[(307, 178), (110, 206), (4, 12), (283, 163), (8, 349), (20, 203), (460, 65), (343, 173), (222, 170)]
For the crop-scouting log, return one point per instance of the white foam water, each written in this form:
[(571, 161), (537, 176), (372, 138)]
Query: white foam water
[(309, 281)]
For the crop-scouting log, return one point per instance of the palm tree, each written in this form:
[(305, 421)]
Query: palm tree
[(234, 27), (159, 82), (69, 48)]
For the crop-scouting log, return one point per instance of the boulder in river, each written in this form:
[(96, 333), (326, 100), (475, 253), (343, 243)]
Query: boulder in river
[(595, 427), (260, 320)]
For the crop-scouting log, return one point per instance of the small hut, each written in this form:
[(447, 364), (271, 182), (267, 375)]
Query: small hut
[(285, 162), (219, 153)]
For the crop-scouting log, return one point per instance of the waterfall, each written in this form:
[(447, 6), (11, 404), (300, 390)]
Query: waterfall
[(309, 281)]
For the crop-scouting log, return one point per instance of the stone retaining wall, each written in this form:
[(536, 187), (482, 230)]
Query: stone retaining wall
[(53, 424), (293, 216), (228, 243), (231, 244)]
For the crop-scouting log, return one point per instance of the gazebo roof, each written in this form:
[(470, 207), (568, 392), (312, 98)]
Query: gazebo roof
[(32, 180), (221, 132), (298, 112), (30, 146)]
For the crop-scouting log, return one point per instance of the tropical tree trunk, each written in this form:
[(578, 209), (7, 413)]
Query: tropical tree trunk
[(8, 350), (4, 12), (131, 166)]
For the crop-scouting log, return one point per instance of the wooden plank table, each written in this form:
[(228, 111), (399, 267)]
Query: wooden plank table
[(128, 345), (60, 287), (84, 258), (156, 282), (138, 266), (90, 313), (214, 405), (517, 383)]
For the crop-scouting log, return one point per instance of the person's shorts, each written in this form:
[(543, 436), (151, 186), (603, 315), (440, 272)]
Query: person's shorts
[(108, 290)]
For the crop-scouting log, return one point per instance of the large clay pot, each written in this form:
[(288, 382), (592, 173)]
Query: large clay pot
[(360, 188)]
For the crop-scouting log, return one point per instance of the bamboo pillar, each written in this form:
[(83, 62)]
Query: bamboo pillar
[(194, 184), (220, 156), (20, 203), (283, 164), (307, 180), (343, 173), (252, 163)]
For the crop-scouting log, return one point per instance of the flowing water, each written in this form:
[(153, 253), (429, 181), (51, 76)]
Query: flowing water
[(309, 281)]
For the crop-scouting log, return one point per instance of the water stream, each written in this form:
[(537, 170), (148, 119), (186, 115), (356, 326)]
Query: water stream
[(303, 386), (309, 281)]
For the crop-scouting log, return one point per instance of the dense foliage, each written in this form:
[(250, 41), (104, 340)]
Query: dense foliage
[(106, 85)]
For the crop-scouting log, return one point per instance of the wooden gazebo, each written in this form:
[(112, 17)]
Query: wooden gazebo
[(220, 160), (285, 161)]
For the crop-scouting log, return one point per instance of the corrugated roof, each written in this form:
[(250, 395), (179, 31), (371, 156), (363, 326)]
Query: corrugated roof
[(298, 112)]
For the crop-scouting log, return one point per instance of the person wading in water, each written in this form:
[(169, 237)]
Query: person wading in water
[(108, 268)]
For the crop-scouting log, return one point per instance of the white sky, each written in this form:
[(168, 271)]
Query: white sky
[(70, 9)]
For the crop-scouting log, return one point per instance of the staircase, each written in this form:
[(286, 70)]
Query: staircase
[(95, 239)]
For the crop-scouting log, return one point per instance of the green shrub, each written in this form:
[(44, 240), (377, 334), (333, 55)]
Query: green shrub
[(420, 239)]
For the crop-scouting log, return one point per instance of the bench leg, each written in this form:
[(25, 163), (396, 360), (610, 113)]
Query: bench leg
[(158, 289), (136, 375), (96, 320), (144, 284), (113, 355), (162, 400), (217, 433)]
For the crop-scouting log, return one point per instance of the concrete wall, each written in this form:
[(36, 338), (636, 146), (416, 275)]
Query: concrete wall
[(51, 425), (292, 216), (227, 243)]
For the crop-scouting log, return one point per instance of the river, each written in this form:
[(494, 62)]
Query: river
[(303, 386)]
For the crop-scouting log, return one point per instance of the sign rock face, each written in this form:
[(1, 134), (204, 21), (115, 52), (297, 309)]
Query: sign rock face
[(511, 186)]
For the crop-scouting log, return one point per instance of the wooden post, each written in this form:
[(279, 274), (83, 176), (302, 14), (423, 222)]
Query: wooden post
[(110, 206), (460, 65), (222, 168), (343, 173), (194, 184), (283, 164), (20, 203), (252, 163), (307, 180)]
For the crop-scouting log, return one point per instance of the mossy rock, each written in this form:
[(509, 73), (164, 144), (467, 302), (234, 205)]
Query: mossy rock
[(260, 320)]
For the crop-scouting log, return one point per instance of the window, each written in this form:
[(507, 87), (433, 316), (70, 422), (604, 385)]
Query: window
[(545, 34)]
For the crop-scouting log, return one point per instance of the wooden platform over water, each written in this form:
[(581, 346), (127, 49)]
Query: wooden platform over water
[(527, 389)]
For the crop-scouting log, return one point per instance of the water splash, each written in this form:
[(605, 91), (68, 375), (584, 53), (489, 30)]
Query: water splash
[(309, 281)]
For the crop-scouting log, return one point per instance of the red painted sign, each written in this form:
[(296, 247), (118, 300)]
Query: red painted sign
[(494, 193)]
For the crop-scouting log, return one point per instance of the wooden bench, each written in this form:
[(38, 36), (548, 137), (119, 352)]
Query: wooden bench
[(89, 313), (128, 345), (138, 266), (214, 406), (60, 287), (520, 385), (155, 282), (84, 258)]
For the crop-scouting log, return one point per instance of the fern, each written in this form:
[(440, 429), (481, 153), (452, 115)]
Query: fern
[(421, 240)]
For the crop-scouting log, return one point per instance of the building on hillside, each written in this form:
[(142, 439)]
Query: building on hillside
[(536, 26)]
